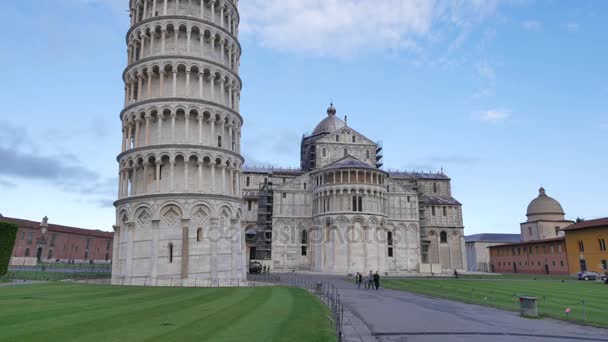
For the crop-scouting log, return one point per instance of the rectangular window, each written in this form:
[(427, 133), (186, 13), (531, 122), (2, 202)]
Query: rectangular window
[(562, 263), (23, 236), (602, 245), (425, 253), (30, 238), (108, 245), (53, 238), (445, 211), (86, 255), (88, 244), (390, 252), (433, 211), (304, 186), (304, 251), (249, 205), (408, 199), (556, 231), (284, 195), (604, 264), (27, 252), (560, 249), (518, 251), (50, 254), (360, 203), (219, 141), (552, 249), (581, 246), (354, 203)]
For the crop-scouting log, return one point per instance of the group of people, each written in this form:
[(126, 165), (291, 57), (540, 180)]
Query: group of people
[(372, 280)]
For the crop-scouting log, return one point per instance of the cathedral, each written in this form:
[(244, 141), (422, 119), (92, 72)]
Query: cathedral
[(189, 214), (341, 213)]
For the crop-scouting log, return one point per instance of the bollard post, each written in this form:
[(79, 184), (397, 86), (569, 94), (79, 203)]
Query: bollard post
[(584, 312)]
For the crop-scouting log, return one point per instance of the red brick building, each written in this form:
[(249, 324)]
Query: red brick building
[(532, 257), (41, 242)]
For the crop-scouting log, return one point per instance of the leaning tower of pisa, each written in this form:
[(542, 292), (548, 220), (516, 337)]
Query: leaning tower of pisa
[(179, 207)]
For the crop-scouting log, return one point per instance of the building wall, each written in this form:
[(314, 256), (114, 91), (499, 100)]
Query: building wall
[(594, 257), (540, 257), (478, 256), (542, 230)]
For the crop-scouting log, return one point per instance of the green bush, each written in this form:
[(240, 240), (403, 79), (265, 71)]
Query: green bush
[(8, 234)]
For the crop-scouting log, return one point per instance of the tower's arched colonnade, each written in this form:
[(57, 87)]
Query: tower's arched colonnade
[(179, 207)]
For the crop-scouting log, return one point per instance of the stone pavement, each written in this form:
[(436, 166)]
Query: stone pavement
[(390, 316)]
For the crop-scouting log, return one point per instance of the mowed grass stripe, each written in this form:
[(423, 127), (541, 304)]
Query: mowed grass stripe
[(75, 312), (78, 321), (553, 296)]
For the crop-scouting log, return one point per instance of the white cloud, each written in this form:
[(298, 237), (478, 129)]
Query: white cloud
[(492, 115), (572, 27), (345, 27), (532, 25)]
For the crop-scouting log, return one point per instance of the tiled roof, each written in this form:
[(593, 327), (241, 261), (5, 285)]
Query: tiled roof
[(601, 222), (531, 242), (58, 228), (418, 175), (432, 200), (505, 238), (271, 170), (349, 162)]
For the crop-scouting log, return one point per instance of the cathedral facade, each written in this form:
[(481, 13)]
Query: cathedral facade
[(341, 213), (187, 214)]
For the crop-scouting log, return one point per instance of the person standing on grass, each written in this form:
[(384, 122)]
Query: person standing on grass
[(377, 280)]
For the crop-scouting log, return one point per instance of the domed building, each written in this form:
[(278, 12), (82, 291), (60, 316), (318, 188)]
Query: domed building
[(341, 213), (545, 218)]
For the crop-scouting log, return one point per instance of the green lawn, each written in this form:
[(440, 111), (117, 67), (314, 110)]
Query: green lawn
[(553, 296), (50, 276), (75, 312), (518, 276)]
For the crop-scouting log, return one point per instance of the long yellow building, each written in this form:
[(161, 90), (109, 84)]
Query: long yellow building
[(587, 246)]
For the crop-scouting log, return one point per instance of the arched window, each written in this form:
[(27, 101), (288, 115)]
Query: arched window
[(443, 237), (324, 153), (354, 139), (304, 237), (304, 186), (389, 240), (219, 141), (248, 181), (199, 234), (170, 253), (337, 138)]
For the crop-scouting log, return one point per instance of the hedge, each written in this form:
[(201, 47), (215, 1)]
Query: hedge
[(8, 234)]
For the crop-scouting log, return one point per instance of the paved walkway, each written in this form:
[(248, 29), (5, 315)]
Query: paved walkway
[(389, 316)]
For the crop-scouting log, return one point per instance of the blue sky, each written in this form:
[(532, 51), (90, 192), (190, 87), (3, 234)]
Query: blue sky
[(505, 95)]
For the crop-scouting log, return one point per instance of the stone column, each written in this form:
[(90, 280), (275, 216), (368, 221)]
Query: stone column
[(165, 8), (200, 85), (163, 34), (145, 177), (173, 115), (174, 83), (187, 83), (158, 164), (202, 9), (185, 245), (129, 262), (212, 2), (155, 239), (200, 128), (186, 178), (140, 79), (223, 168), (142, 54), (176, 45), (188, 35), (171, 176), (200, 176), (187, 117), (162, 84), (213, 187), (212, 81), (213, 141), (137, 133), (115, 247), (148, 117), (159, 118)]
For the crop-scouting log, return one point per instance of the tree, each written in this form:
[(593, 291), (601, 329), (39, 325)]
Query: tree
[(8, 235), (579, 219)]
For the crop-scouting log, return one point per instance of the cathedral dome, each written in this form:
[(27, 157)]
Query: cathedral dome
[(544, 207), (330, 124)]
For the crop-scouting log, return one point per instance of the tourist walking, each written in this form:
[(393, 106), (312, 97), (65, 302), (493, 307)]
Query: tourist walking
[(370, 280), (358, 280), (377, 280)]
